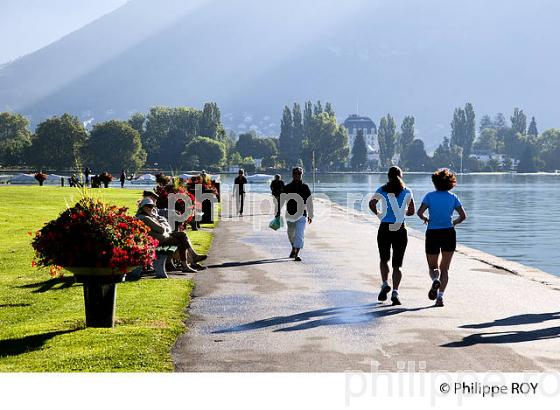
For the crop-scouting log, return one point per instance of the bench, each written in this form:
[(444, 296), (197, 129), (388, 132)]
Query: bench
[(160, 264)]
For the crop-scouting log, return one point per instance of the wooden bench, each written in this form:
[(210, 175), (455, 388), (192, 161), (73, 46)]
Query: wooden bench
[(163, 253)]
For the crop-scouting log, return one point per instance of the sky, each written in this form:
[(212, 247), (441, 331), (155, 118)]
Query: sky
[(28, 25)]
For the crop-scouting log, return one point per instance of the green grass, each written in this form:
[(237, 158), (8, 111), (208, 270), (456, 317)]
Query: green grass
[(42, 325)]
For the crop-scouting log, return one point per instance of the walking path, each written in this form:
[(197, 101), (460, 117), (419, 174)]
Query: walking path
[(256, 310)]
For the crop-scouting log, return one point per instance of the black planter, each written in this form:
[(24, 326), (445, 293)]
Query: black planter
[(100, 296)]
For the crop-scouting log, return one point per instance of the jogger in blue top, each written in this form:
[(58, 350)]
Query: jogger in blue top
[(440, 235), (396, 200)]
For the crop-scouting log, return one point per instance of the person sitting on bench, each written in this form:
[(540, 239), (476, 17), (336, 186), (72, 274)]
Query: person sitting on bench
[(161, 230)]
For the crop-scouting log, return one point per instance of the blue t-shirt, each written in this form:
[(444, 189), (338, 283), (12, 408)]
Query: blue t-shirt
[(390, 207), (441, 205)]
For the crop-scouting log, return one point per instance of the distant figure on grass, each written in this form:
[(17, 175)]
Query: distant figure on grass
[(87, 173), (122, 178), (277, 187), (440, 235), (239, 191), (396, 200), (299, 211), (161, 230)]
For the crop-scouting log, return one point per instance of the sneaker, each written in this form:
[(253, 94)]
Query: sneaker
[(297, 259), (385, 289), (197, 266), (185, 268), (395, 299), (292, 254), (433, 290), (439, 302), (199, 258)]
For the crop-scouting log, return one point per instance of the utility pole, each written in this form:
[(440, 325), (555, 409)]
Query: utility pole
[(313, 165)]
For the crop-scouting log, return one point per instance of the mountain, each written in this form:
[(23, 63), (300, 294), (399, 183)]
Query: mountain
[(253, 57)]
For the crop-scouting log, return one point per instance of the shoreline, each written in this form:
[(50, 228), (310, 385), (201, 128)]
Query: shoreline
[(511, 267)]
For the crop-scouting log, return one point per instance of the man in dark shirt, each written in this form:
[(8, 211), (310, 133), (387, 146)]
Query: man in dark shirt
[(277, 187), (239, 191), (299, 210)]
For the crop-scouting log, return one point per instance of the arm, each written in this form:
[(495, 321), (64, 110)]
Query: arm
[(462, 215), (373, 205), (411, 208), (421, 211), (309, 204), (152, 224)]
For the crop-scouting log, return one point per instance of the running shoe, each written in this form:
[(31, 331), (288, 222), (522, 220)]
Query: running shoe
[(385, 289), (395, 299), (297, 259), (433, 290), (439, 302)]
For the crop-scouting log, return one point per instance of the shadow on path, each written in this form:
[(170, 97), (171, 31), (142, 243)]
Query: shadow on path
[(323, 317), (14, 347), (507, 337), (516, 320), (249, 263), (51, 284)]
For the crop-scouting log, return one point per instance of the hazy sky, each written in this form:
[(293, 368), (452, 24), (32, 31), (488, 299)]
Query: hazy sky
[(28, 25)]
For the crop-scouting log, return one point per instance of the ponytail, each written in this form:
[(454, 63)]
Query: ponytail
[(395, 183)]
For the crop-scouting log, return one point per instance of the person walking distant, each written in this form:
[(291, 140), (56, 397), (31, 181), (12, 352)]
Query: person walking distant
[(299, 211)]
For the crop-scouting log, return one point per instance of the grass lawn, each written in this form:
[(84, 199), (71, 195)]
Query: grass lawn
[(42, 319)]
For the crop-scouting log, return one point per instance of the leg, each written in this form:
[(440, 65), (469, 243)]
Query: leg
[(242, 202), (399, 244), (444, 265), (299, 236)]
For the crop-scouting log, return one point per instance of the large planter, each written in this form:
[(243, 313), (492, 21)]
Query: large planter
[(100, 293)]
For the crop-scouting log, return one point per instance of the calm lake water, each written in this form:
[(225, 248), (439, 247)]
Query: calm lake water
[(513, 216)]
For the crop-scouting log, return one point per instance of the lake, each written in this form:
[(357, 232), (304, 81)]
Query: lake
[(510, 215)]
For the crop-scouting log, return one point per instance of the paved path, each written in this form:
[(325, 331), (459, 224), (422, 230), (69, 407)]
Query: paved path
[(257, 310)]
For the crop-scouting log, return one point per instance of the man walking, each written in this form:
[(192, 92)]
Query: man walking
[(299, 210), (239, 191)]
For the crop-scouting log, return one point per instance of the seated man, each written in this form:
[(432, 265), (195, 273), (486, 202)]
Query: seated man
[(161, 231)]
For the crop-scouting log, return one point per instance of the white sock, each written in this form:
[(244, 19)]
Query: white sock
[(440, 294), (395, 291)]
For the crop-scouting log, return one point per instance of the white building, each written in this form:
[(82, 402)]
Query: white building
[(354, 123)]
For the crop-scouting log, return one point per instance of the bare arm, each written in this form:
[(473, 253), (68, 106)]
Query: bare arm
[(411, 208), (462, 216), (421, 211), (373, 205)]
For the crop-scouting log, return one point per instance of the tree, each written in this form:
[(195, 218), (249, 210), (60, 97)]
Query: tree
[(447, 155), (549, 143), (514, 143), (487, 140), (318, 108), (210, 122), (519, 121), (57, 142), (286, 135), (307, 119), (486, 123), (386, 136), (297, 134), (527, 160), (204, 152), (328, 140), (463, 129), (533, 131), (138, 121), (15, 138), (329, 109), (249, 144), (417, 159), (114, 145), (359, 152), (406, 137), (168, 130), (500, 121)]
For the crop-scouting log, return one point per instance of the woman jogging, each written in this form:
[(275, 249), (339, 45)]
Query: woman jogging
[(440, 235), (396, 200)]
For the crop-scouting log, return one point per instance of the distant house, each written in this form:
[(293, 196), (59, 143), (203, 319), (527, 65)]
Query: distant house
[(355, 123)]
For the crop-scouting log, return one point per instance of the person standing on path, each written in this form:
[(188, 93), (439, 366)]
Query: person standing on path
[(239, 191), (277, 187), (87, 173), (299, 210), (396, 200), (122, 178), (440, 235)]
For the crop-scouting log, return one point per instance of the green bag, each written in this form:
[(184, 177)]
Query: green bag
[(275, 224)]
